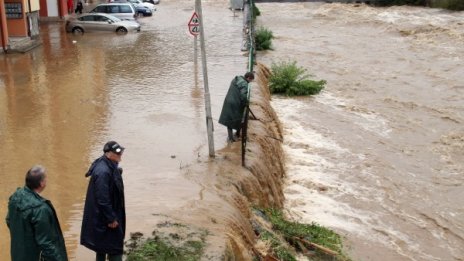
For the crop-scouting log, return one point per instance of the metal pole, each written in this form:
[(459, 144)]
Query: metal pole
[(209, 118)]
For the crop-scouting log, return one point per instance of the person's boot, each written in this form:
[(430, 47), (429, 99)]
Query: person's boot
[(237, 134), (230, 135)]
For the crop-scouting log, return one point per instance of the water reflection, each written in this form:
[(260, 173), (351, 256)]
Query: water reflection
[(62, 101)]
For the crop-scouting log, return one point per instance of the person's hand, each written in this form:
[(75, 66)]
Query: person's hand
[(113, 224)]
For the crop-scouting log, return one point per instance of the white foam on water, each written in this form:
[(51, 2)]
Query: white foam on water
[(366, 119), (312, 177), (316, 183)]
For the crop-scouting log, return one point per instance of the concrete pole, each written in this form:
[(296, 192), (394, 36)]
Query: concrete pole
[(209, 118), (195, 45)]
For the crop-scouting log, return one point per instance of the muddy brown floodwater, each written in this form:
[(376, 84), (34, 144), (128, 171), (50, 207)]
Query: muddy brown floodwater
[(60, 102), (379, 154)]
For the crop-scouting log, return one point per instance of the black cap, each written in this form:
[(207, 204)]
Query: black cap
[(113, 146)]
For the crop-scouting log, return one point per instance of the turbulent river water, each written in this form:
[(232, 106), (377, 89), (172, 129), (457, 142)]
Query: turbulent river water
[(379, 154)]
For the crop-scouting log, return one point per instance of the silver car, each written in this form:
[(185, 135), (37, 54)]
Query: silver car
[(100, 22)]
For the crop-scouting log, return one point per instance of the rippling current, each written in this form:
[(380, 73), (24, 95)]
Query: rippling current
[(379, 154)]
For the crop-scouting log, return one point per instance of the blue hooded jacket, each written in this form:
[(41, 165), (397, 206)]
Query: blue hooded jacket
[(104, 204)]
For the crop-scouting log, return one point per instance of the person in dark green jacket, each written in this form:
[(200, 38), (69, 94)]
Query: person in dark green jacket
[(234, 105), (34, 228)]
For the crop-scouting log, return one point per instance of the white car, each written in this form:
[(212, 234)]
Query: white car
[(147, 5), (155, 2), (98, 22)]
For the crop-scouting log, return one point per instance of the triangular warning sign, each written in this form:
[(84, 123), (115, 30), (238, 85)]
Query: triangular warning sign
[(194, 20)]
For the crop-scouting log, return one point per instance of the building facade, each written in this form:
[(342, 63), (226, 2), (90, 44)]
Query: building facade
[(20, 18)]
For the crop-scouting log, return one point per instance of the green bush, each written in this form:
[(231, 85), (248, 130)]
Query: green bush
[(263, 39), (287, 78), (256, 11), (457, 5), (400, 2)]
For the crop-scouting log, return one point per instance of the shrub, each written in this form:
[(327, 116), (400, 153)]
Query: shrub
[(289, 79), (400, 2), (457, 5), (256, 11), (263, 39)]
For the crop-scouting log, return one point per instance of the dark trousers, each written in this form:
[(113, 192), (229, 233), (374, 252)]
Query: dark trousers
[(102, 257)]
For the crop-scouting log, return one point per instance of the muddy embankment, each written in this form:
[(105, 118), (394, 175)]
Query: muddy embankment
[(229, 191)]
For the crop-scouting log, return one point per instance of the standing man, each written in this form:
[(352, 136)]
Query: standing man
[(79, 7), (34, 228), (234, 105), (104, 221)]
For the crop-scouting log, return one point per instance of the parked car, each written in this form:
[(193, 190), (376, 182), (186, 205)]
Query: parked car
[(123, 11), (100, 22), (151, 6), (145, 9), (155, 2)]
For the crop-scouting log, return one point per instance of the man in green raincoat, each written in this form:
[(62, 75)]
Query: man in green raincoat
[(34, 228), (234, 104)]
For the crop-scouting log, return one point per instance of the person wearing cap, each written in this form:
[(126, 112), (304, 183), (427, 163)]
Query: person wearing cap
[(104, 221), (234, 104), (34, 228)]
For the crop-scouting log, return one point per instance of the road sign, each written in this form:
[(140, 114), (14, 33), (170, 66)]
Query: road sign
[(194, 24), (194, 29), (194, 20)]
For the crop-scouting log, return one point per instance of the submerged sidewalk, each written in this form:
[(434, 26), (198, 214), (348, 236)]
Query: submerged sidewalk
[(22, 44)]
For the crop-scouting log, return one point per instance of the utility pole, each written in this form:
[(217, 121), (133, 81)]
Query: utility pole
[(209, 118)]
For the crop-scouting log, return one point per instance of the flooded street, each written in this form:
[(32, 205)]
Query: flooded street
[(379, 154), (60, 102)]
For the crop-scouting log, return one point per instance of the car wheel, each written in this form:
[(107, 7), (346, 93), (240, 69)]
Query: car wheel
[(77, 30), (121, 30)]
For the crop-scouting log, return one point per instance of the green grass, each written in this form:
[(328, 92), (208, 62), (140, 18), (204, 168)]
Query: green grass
[(263, 39), (281, 251), (284, 239), (171, 248), (292, 80)]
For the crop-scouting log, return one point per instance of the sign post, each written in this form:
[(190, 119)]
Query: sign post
[(196, 28)]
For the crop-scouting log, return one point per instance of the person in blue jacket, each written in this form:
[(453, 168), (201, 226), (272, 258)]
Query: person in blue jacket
[(104, 222), (34, 228)]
